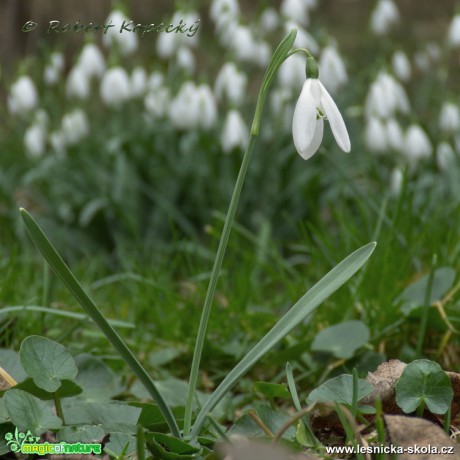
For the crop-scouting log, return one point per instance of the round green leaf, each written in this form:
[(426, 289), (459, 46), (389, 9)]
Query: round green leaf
[(47, 362), (30, 413), (424, 381), (343, 339)]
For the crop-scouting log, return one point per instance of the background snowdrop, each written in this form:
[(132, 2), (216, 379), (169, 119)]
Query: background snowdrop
[(445, 156), (78, 84), (127, 42), (91, 61), (230, 84), (235, 133), (417, 145), (23, 97), (376, 135), (453, 34), (75, 127), (35, 140), (401, 66), (53, 70), (384, 16), (332, 69), (115, 86), (449, 118)]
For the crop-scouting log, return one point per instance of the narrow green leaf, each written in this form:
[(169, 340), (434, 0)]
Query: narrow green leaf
[(68, 279), (47, 362), (305, 306)]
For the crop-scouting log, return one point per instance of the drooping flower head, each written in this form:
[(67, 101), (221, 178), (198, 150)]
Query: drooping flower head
[(313, 106)]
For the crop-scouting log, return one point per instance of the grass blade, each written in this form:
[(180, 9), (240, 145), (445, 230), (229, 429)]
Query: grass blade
[(71, 283), (306, 305)]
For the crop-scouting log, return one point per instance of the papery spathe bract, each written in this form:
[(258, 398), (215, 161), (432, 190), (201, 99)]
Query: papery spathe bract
[(384, 16), (125, 42), (417, 145), (115, 86), (313, 105), (449, 118), (332, 69), (23, 97), (235, 133)]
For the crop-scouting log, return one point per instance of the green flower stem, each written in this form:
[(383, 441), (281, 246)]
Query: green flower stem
[(277, 59), (212, 285)]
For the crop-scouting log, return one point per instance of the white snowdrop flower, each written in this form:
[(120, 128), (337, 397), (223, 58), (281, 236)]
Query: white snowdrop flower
[(269, 21), (263, 53), (449, 118), (91, 60), (244, 45), (75, 126), (126, 41), (235, 132), (375, 135), (138, 81), (453, 35), (35, 140), (224, 8), (115, 86), (332, 69), (207, 107), (155, 80), (395, 136), (78, 84), (23, 96), (384, 16), (184, 108), (386, 97), (156, 102), (296, 11), (445, 156), (401, 66), (53, 69), (57, 142), (226, 29), (313, 106), (230, 84), (186, 59), (282, 107), (417, 145), (292, 72), (166, 45), (396, 182)]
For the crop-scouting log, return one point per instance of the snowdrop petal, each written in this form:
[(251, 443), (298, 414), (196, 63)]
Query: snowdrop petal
[(339, 130), (315, 142), (304, 121)]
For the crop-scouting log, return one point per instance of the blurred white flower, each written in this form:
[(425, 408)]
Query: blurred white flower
[(75, 126), (422, 61), (332, 69), (115, 86), (445, 156), (292, 72), (386, 96), (395, 136), (78, 84), (384, 16), (126, 42), (296, 11), (184, 108), (91, 60), (401, 65), (315, 104), (449, 118), (417, 145), (263, 53), (155, 80), (138, 81), (243, 44), (396, 182), (453, 35), (230, 84), (57, 142), (156, 102), (35, 140), (206, 107), (229, 9), (269, 21), (186, 59), (53, 69), (23, 96), (282, 108), (235, 132), (375, 135)]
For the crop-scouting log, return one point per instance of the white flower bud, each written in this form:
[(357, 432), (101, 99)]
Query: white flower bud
[(376, 136), (235, 132), (126, 42), (184, 108), (207, 107), (445, 156), (269, 21), (401, 66), (449, 118), (75, 126), (77, 84), (91, 60), (186, 59), (230, 84), (23, 96), (453, 35), (332, 69), (156, 102), (417, 145), (395, 136), (35, 140), (384, 16), (115, 86), (296, 11), (292, 72), (138, 81), (54, 69), (396, 182)]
